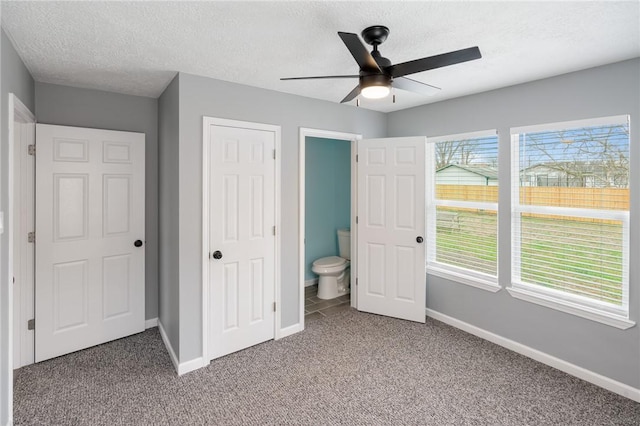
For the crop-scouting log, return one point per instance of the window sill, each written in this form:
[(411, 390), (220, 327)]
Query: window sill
[(461, 278), (571, 308)]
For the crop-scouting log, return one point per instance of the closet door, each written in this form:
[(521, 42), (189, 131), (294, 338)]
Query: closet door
[(90, 250)]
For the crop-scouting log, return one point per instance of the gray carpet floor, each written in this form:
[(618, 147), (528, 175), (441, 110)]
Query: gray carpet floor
[(351, 368)]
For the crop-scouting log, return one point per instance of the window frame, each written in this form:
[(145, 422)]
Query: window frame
[(579, 305), (458, 274)]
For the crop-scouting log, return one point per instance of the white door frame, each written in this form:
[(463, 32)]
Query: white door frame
[(207, 122), (17, 111), (23, 339), (326, 134)]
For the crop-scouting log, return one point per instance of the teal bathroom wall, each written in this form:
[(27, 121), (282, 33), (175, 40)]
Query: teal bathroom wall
[(327, 197)]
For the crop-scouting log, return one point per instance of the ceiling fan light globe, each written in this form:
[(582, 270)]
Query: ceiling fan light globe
[(375, 92)]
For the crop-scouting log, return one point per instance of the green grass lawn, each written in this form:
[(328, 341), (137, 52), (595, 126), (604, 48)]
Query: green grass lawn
[(550, 254)]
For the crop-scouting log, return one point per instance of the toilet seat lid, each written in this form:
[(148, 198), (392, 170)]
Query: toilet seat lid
[(328, 262)]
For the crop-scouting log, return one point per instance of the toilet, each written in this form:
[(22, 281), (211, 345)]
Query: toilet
[(333, 270)]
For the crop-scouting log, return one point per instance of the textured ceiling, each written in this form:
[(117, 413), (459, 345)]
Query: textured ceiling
[(136, 48)]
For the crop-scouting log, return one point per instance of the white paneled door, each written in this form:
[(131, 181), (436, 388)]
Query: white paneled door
[(89, 237), (391, 224), (241, 238)]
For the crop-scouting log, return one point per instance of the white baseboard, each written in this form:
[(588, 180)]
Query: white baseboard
[(312, 281), (150, 323), (189, 366), (184, 367), (288, 331), (572, 369), (167, 344)]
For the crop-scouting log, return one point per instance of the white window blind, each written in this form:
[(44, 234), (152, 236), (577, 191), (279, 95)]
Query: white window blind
[(462, 207), (570, 212)]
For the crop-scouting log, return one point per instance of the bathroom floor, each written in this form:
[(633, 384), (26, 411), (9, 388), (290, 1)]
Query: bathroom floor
[(319, 308)]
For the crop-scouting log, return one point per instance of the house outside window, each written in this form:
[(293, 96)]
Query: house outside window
[(462, 208), (570, 234)]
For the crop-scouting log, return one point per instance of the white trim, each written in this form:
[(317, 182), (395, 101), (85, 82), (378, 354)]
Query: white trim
[(467, 279), (571, 308), (305, 132), (167, 344), (181, 368), (205, 238), (16, 111), (189, 366), (353, 269), (567, 367), (621, 215), (207, 122), (565, 125), (150, 323), (22, 170), (467, 204), (278, 219), (312, 281), (292, 329)]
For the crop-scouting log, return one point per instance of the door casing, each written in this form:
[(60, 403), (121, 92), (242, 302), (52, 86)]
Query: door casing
[(16, 111), (23, 172), (207, 122), (327, 134)]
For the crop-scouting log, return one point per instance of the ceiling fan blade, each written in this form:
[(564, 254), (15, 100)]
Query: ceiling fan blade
[(359, 52), (432, 62), (319, 77), (355, 92), (410, 85)]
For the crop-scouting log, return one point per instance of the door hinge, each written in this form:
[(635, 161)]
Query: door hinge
[(274, 154), (356, 219), (356, 158), (31, 324), (274, 306), (31, 237), (356, 282), (274, 230), (31, 150)]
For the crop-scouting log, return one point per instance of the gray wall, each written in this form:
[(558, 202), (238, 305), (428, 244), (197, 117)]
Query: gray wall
[(168, 138), (597, 92), (15, 78), (71, 106), (200, 96)]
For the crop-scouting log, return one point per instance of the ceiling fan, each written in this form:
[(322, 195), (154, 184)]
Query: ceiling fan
[(377, 75)]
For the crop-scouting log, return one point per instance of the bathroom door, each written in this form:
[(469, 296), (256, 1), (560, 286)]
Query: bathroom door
[(391, 262)]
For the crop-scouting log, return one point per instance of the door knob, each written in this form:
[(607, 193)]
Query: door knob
[(217, 254), (419, 239), (138, 243)]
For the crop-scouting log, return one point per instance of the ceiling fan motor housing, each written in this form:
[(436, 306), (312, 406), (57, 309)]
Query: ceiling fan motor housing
[(368, 80), (375, 34)]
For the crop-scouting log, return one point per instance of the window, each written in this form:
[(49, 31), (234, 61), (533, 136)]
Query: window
[(462, 208), (570, 232)]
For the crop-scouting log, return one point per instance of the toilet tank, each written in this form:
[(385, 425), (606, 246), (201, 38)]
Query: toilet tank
[(344, 243)]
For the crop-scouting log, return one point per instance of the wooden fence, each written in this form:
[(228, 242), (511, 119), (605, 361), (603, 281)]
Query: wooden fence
[(594, 198)]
